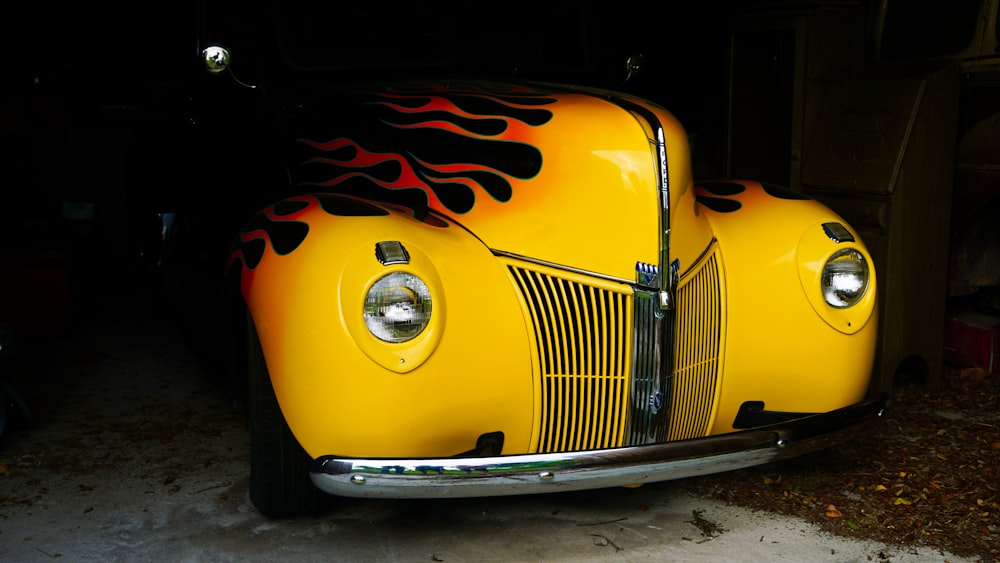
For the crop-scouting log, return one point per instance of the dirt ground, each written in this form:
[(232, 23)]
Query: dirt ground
[(928, 476), (137, 453)]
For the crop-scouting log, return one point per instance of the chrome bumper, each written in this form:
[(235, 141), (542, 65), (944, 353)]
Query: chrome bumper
[(594, 469)]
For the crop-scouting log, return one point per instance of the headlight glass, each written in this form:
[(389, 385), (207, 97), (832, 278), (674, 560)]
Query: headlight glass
[(845, 278), (397, 307)]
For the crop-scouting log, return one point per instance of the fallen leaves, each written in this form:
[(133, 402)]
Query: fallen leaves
[(928, 475), (709, 529)]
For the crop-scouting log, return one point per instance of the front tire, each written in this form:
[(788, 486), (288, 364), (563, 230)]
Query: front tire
[(280, 486)]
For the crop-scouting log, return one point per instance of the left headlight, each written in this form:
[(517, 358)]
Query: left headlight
[(845, 278), (397, 307)]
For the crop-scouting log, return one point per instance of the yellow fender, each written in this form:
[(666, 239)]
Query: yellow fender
[(305, 265), (786, 347)]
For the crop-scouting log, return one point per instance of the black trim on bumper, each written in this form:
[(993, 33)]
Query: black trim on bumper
[(752, 415)]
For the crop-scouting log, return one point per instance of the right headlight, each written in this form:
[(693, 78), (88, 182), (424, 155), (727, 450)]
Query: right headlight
[(845, 278)]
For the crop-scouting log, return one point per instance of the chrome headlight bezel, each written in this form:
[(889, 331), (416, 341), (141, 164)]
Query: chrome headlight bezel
[(397, 307), (823, 255), (845, 278)]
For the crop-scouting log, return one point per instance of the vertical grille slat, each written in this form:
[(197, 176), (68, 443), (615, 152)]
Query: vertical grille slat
[(582, 337)]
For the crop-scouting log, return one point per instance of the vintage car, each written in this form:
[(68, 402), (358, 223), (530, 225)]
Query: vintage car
[(483, 287)]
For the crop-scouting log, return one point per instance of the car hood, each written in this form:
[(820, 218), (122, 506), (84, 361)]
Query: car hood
[(562, 175)]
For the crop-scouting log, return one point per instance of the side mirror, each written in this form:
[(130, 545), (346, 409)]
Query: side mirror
[(218, 59)]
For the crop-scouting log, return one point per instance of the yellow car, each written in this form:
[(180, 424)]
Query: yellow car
[(498, 288)]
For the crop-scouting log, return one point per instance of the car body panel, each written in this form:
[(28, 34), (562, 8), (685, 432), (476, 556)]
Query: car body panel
[(587, 294), (777, 322), (341, 390)]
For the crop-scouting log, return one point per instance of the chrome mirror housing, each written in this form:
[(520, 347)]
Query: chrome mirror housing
[(216, 58)]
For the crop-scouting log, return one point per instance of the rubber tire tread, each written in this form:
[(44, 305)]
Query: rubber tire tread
[(280, 486)]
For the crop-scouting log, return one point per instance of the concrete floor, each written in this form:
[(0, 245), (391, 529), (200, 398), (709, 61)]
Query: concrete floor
[(137, 454)]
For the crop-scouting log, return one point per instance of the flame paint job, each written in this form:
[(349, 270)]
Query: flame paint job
[(282, 228), (446, 146), (719, 196), (559, 165)]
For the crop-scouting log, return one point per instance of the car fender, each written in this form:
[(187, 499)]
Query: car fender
[(785, 346), (304, 266)]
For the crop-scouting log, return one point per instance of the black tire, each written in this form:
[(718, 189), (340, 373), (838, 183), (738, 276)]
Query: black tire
[(3, 413), (280, 486), (18, 409)]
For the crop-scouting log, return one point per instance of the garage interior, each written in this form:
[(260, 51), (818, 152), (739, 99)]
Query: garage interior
[(852, 102), (890, 117)]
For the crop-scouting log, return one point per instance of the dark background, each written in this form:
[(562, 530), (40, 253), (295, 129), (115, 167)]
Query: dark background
[(103, 113), (107, 118)]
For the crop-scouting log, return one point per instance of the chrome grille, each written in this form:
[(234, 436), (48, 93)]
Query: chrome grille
[(582, 339), (697, 349), (649, 390), (601, 378)]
